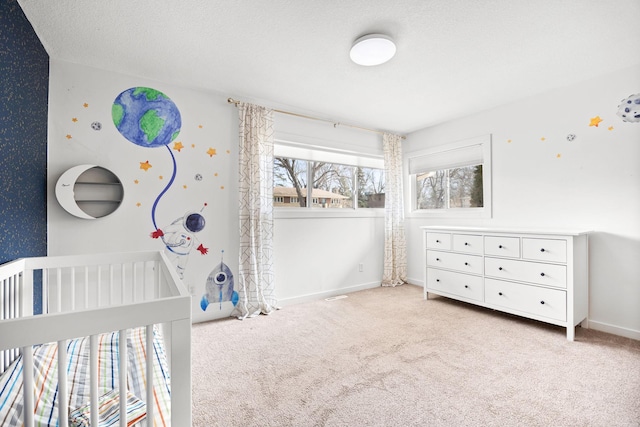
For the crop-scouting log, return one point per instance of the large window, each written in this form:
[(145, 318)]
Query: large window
[(302, 183), (453, 179)]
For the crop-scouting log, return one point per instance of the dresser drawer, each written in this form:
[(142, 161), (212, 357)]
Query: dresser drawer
[(439, 241), (463, 263), (458, 284), (526, 271), (551, 250), (502, 246), (467, 243), (550, 303)]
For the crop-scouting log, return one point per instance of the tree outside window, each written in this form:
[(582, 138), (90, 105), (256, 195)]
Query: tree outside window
[(460, 187), (332, 185)]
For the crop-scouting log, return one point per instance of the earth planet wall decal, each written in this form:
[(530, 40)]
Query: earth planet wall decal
[(146, 117), (150, 119)]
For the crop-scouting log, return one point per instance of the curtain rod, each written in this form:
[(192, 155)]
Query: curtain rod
[(335, 125)]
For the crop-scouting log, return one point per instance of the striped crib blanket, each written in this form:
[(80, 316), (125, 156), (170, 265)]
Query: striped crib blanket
[(46, 382)]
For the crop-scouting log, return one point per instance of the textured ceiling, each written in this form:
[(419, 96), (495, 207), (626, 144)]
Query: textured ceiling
[(454, 57)]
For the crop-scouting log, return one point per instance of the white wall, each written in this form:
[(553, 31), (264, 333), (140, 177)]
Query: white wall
[(80, 95), (316, 256), (591, 182)]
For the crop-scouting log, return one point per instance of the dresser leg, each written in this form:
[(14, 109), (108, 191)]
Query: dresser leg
[(571, 333)]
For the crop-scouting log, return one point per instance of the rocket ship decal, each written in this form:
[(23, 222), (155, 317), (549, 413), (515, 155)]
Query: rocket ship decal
[(219, 287)]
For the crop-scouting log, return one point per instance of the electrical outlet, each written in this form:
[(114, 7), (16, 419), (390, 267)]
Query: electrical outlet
[(360, 267)]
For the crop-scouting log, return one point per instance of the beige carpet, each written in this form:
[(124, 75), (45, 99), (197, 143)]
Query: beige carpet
[(386, 357)]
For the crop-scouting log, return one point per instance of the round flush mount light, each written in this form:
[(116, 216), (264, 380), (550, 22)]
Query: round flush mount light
[(372, 49)]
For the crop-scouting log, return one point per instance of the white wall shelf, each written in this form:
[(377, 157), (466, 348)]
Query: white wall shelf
[(89, 191)]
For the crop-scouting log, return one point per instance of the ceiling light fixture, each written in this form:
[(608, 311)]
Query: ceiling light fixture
[(372, 49)]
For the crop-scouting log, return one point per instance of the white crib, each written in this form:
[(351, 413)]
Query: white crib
[(91, 295)]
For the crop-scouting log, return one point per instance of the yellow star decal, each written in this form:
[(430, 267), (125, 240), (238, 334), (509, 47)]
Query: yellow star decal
[(75, 119), (178, 146), (160, 177), (193, 145), (222, 187), (85, 105), (211, 152), (184, 186), (543, 138), (228, 152), (509, 141), (595, 121), (558, 156), (136, 181), (200, 126), (68, 136), (610, 128), (215, 174), (138, 204), (145, 165)]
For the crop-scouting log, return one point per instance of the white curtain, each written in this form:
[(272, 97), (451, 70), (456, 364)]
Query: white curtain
[(395, 246), (256, 289)]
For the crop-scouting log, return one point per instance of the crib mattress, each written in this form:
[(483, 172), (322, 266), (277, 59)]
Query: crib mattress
[(46, 381)]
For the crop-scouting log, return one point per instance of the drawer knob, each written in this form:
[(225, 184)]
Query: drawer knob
[(437, 280), (542, 302), (437, 259), (466, 263), (499, 246), (500, 293), (500, 268), (542, 250), (542, 274), (466, 244), (466, 286), (437, 241)]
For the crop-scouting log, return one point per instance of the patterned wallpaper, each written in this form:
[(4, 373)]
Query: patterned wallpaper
[(24, 81)]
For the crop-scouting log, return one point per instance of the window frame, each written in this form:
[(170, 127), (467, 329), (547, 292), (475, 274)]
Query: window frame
[(289, 149), (484, 142)]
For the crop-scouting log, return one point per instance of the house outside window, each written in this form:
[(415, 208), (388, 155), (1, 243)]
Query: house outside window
[(333, 185)]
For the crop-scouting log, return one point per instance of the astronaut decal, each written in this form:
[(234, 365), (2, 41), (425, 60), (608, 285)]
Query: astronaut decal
[(179, 238), (219, 287)]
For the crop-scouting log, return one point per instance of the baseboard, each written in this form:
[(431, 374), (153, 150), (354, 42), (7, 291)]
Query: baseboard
[(417, 282), (613, 329), (326, 294)]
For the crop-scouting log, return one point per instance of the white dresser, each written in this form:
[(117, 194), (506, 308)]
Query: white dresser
[(539, 274)]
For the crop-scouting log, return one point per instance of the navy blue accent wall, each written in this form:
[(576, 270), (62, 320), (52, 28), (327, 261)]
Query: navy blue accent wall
[(24, 84)]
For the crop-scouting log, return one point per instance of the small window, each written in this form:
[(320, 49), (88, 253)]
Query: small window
[(450, 188), (452, 180)]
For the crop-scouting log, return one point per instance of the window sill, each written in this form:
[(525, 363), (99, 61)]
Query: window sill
[(451, 213), (293, 213)]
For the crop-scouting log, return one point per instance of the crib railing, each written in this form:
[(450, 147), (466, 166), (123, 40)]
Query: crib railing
[(88, 295), (13, 303)]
